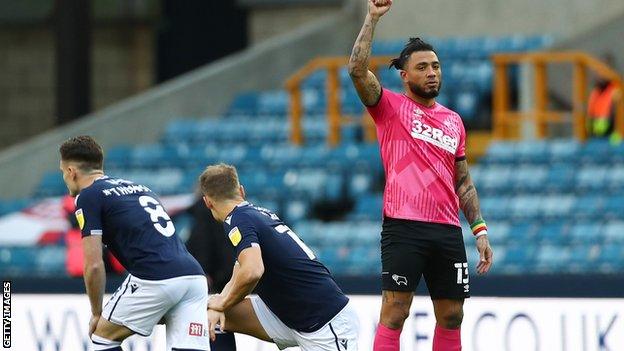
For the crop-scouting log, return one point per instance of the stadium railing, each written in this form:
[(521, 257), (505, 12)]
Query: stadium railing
[(506, 121), (335, 117)]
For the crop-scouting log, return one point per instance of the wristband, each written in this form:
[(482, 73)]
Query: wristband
[(478, 228)]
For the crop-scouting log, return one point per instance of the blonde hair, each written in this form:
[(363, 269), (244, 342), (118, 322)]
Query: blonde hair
[(220, 182)]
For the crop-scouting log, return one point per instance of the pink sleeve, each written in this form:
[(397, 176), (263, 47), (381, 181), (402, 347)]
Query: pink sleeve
[(383, 109), (461, 147)]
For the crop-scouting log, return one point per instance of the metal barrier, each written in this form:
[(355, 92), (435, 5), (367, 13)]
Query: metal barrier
[(505, 121), (335, 118)]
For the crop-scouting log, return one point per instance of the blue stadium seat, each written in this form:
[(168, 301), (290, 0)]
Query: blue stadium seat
[(51, 184), (154, 156), (561, 178), (529, 178), (525, 207), (609, 259), (523, 232), (586, 233), (519, 259), (499, 231), (553, 233), (244, 104), (582, 258), (495, 207), (368, 207), (14, 205), (561, 150), (596, 151), (556, 206), (118, 156), (296, 209), (180, 130), (273, 103), (366, 233), (591, 178), (588, 206), (615, 177), (316, 80), (500, 152), (497, 179), (551, 258), (614, 207), (466, 102), (614, 232)]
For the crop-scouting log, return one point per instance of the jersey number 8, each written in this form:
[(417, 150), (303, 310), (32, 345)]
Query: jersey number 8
[(156, 213)]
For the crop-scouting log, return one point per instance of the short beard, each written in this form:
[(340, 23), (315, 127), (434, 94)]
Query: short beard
[(418, 91)]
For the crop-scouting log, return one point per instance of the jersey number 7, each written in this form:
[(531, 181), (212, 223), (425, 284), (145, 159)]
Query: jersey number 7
[(284, 229)]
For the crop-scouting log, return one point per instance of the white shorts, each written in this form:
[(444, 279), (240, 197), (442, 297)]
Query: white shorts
[(339, 334), (140, 304)]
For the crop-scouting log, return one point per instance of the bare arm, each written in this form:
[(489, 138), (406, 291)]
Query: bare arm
[(228, 286), (244, 279), (469, 203), (466, 192), (365, 82), (94, 272)]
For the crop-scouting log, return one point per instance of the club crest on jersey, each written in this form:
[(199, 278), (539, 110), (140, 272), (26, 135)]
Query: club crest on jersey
[(235, 236), (418, 113), (80, 218), (433, 135)]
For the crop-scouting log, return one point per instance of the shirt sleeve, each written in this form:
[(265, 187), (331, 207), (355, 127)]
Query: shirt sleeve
[(89, 213), (383, 109), (460, 154), (243, 234)]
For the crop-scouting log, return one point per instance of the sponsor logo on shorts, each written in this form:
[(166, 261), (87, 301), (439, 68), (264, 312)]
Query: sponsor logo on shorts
[(344, 343), (399, 279), (467, 288), (196, 329), (134, 287)]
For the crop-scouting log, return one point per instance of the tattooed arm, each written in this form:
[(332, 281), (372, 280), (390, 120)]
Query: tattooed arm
[(469, 203), (365, 82), (466, 192)]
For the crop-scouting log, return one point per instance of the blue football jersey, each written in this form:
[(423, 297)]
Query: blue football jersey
[(295, 286), (135, 227)]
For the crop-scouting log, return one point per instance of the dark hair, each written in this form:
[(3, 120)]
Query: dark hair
[(84, 150), (413, 45)]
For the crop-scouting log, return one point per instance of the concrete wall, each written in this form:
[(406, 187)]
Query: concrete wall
[(208, 90), (564, 18), (269, 21), (122, 65)]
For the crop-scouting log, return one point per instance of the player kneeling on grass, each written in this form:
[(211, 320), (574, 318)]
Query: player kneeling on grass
[(298, 301), (164, 282)]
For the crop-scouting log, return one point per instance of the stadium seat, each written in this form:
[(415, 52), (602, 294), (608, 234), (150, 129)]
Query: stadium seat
[(551, 258)]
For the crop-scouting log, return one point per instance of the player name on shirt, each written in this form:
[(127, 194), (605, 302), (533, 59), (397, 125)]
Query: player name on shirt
[(126, 190)]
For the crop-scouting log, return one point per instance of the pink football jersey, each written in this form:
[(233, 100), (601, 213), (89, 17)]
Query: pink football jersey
[(419, 146)]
